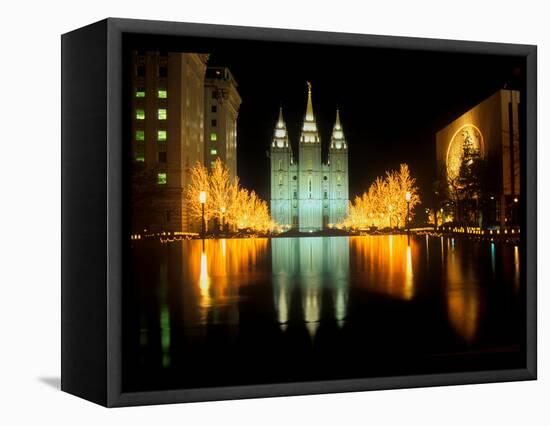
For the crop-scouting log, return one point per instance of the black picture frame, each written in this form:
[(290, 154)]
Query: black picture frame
[(93, 221)]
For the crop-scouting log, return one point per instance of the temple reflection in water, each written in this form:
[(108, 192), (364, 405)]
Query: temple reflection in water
[(319, 272), (364, 300), (304, 268)]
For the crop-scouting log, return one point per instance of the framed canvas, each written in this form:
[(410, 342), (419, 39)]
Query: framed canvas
[(253, 212)]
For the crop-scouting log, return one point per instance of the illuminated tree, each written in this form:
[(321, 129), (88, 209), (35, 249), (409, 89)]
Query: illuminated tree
[(199, 181), (384, 204), (223, 193), (467, 188), (226, 201)]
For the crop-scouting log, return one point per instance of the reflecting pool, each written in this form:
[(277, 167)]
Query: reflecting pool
[(244, 311)]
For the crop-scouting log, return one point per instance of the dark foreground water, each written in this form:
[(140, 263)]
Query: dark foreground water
[(246, 311)]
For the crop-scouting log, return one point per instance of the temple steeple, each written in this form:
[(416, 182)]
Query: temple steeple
[(309, 109), (309, 128), (338, 141), (280, 136)]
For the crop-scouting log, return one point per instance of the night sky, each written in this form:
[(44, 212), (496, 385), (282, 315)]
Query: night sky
[(392, 102)]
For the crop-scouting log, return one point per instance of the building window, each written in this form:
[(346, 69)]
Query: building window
[(214, 108), (161, 178), (140, 135), (280, 164), (140, 71), (140, 157), (140, 92), (162, 157), (161, 135), (163, 71), (326, 195), (162, 114), (280, 178), (140, 114), (212, 164), (309, 186), (213, 136), (213, 151), (338, 178), (214, 94), (214, 123), (295, 195), (162, 94)]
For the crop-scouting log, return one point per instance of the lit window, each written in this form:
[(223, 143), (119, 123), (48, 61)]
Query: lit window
[(140, 135), (161, 135), (162, 94), (213, 136), (212, 164), (213, 151), (140, 114), (140, 93), (162, 114), (161, 178), (140, 157)]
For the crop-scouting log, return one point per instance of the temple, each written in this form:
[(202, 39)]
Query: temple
[(307, 194)]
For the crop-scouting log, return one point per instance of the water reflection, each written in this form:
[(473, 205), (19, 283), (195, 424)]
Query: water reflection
[(386, 264), (463, 295), (348, 298), (219, 272), (516, 268), (305, 267), (164, 320)]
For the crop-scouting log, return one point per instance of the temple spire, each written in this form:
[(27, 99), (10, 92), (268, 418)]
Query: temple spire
[(280, 122), (309, 129), (309, 110), (338, 141), (280, 136)]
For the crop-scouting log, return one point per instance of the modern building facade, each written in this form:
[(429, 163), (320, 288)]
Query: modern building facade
[(493, 129), (308, 195), (176, 122), (221, 109)]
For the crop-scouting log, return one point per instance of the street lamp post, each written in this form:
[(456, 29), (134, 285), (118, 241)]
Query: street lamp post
[(202, 199), (223, 213), (408, 200)]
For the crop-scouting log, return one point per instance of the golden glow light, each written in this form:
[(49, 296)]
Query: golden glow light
[(453, 158), (220, 197), (386, 203)]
